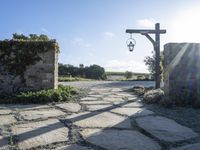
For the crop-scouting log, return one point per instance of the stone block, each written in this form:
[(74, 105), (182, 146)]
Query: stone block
[(188, 147), (40, 133), (71, 107), (102, 120), (119, 139), (165, 129), (133, 104), (99, 107), (7, 119), (5, 111), (4, 143), (74, 147), (134, 112), (41, 114)]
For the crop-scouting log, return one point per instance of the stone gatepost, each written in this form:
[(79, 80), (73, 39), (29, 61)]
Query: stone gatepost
[(41, 75), (182, 72)]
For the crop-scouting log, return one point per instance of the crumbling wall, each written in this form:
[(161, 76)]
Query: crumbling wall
[(182, 72)]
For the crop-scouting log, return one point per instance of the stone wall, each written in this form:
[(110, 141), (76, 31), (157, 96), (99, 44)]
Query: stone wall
[(182, 72), (41, 75)]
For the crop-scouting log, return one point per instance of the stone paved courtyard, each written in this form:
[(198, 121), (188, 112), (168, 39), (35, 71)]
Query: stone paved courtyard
[(107, 119)]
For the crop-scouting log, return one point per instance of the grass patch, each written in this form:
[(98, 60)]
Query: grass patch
[(72, 79), (62, 94)]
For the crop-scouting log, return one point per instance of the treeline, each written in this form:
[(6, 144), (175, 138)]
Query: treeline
[(90, 72)]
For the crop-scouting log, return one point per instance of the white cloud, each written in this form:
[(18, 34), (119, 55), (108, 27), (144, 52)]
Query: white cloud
[(44, 30), (78, 41), (108, 35), (117, 65), (147, 23)]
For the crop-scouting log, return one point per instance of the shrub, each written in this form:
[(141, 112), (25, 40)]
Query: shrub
[(128, 74), (138, 90), (94, 72), (166, 102), (153, 96), (62, 94)]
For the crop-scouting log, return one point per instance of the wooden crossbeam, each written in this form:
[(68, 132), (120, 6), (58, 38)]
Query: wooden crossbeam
[(145, 31)]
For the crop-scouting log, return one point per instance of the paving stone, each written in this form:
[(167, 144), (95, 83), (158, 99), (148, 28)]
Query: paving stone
[(107, 93), (99, 107), (133, 104), (95, 119), (119, 139), (99, 90), (88, 99), (28, 107), (116, 90), (133, 98), (188, 147), (95, 102), (73, 147), (7, 119), (72, 107), (96, 96), (136, 112), (3, 143), (40, 133), (125, 94), (5, 111), (118, 103), (165, 129), (41, 114), (113, 99), (92, 93), (114, 96)]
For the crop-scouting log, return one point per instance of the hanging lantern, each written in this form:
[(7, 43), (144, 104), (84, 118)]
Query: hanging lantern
[(131, 43)]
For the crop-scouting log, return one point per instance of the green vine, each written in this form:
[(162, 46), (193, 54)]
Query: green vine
[(22, 51)]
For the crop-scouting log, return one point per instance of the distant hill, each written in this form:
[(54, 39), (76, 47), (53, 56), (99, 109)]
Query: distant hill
[(111, 75), (122, 73)]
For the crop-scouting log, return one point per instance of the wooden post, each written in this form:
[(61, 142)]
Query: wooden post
[(156, 45), (157, 53)]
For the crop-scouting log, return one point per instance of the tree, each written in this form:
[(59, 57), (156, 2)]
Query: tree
[(150, 62), (81, 70), (17, 36), (32, 37), (66, 70), (91, 72), (95, 72), (128, 74)]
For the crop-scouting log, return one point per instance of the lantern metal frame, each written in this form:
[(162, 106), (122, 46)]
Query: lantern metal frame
[(131, 42)]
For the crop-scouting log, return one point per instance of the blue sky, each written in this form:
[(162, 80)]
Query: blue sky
[(93, 31)]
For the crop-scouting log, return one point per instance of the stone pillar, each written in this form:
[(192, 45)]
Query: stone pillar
[(182, 72), (41, 75), (44, 74)]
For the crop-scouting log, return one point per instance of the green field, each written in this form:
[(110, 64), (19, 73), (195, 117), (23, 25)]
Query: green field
[(120, 76), (122, 73)]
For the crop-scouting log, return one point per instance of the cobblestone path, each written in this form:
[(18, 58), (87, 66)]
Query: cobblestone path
[(107, 119)]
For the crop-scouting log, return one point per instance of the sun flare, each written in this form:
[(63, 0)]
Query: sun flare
[(186, 26)]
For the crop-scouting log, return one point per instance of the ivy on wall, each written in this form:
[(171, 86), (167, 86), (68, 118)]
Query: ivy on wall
[(22, 51)]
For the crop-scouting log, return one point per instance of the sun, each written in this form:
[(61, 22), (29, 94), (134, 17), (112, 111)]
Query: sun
[(185, 26)]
